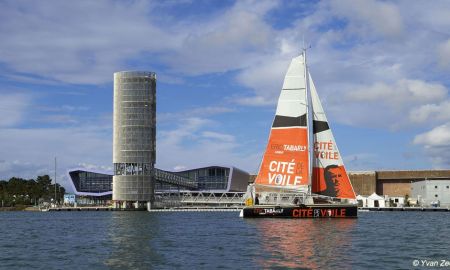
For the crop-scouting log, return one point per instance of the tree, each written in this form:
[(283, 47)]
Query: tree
[(26, 192), (43, 186)]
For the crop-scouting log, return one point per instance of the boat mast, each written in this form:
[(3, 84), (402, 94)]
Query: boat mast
[(55, 180), (308, 120)]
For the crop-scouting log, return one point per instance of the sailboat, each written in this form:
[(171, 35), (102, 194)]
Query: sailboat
[(302, 174)]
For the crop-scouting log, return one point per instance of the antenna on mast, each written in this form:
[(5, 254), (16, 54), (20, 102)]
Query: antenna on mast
[(304, 47)]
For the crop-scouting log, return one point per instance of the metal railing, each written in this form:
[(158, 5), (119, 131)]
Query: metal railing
[(192, 198)]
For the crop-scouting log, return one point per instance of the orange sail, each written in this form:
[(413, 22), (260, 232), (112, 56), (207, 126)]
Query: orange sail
[(286, 160), (329, 175)]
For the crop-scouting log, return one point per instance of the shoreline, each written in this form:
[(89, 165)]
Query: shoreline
[(204, 209)]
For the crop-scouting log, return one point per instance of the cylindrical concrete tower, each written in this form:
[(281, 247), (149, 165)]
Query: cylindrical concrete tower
[(134, 138)]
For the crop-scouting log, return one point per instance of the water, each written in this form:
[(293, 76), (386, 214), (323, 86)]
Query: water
[(210, 240)]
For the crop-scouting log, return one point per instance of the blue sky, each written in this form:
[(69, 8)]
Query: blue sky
[(381, 69)]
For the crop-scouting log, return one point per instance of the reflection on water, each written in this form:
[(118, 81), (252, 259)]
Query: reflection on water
[(305, 243), (131, 234), (208, 240)]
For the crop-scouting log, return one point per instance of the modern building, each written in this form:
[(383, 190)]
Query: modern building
[(134, 148), (91, 183), (90, 187), (218, 178), (95, 187), (431, 192)]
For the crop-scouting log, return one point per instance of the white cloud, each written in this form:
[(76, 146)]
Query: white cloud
[(366, 17), (30, 152), (195, 112), (58, 119), (186, 130), (437, 137), (85, 41), (401, 93), (253, 101), (431, 113), (193, 143), (265, 78), (218, 136), (13, 108), (402, 104), (95, 167), (79, 42), (179, 168), (436, 143), (232, 40)]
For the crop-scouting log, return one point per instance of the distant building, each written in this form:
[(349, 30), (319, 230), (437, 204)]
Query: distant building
[(217, 178), (69, 199), (393, 184), (91, 187), (96, 187), (364, 182), (91, 183), (375, 200), (431, 192)]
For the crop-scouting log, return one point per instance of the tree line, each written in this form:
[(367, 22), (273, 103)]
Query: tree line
[(18, 191)]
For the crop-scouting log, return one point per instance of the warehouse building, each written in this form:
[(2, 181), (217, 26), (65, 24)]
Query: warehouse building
[(393, 183)]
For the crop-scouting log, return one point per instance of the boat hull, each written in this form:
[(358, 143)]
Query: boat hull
[(305, 211)]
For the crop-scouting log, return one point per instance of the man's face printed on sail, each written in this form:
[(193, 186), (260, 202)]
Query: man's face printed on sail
[(333, 178), (335, 175)]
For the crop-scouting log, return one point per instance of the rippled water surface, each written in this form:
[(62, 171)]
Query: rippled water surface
[(209, 240)]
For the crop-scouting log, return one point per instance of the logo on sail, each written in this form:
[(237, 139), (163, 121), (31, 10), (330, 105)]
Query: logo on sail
[(282, 173), (325, 150), (285, 162), (295, 148)]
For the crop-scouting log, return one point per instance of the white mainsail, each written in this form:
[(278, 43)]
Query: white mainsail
[(286, 161)]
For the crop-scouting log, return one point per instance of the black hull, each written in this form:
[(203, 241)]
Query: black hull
[(306, 211)]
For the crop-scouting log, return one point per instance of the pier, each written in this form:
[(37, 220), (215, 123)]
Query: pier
[(99, 208), (198, 209), (406, 209), (173, 209)]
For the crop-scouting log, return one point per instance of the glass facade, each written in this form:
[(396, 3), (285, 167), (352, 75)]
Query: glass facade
[(91, 182), (132, 169), (210, 178), (214, 178)]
